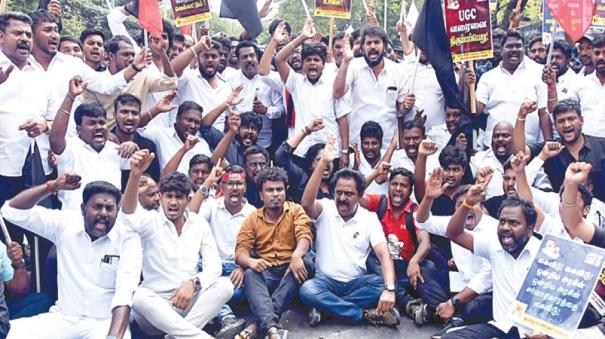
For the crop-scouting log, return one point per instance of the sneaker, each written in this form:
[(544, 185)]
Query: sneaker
[(230, 327), (450, 325), (314, 317), (420, 314), (390, 318), (410, 307)]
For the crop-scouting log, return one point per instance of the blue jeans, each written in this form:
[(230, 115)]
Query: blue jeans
[(239, 294), (345, 300)]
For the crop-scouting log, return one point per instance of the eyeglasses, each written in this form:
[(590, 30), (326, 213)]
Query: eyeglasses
[(234, 184)]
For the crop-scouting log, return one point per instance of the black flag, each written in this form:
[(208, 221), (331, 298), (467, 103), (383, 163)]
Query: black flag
[(245, 12)]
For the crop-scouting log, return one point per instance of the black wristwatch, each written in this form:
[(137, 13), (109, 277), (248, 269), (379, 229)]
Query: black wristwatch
[(197, 285), (389, 287), (456, 302)]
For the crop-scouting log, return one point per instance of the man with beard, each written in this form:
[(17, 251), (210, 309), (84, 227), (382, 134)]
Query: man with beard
[(568, 121), (93, 41), (588, 91), (90, 153), (375, 85), (258, 97), (558, 77), (96, 286), (271, 244), (182, 137), (466, 298), (585, 53), (536, 50), (346, 234), (312, 95), (173, 298), (371, 155), (452, 132), (298, 174), (510, 251), (149, 193), (502, 90), (121, 55), (178, 45), (256, 159), (71, 46), (208, 88), (409, 141)]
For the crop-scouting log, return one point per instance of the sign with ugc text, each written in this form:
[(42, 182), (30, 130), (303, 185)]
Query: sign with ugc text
[(340, 9), (190, 11), (469, 29)]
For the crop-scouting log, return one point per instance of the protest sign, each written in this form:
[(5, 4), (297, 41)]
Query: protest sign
[(574, 16), (469, 29), (190, 11), (547, 23), (340, 9), (599, 16), (557, 288)]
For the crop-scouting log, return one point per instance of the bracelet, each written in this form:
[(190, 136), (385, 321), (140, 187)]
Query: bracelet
[(136, 68), (306, 131), (71, 96), (193, 51), (549, 100), (569, 205), (466, 204), (64, 111), (521, 119), (49, 187), (344, 151)]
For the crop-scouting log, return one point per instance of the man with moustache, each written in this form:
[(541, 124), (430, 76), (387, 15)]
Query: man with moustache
[(346, 234), (536, 50), (207, 88), (99, 262), (454, 131), (558, 77), (71, 46), (338, 41), (256, 159), (409, 141), (569, 121), (371, 155), (375, 84), (149, 193), (585, 55), (312, 95), (93, 42), (173, 298)]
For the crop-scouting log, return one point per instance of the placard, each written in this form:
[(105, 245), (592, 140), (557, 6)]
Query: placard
[(469, 29), (190, 11), (340, 9)]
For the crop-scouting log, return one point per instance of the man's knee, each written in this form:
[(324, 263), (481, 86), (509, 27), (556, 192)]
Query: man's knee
[(223, 288), (309, 291), (141, 300)]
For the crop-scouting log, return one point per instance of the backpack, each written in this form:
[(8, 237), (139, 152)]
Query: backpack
[(409, 222)]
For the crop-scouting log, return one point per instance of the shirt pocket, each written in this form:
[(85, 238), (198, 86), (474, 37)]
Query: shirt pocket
[(107, 274), (391, 96)]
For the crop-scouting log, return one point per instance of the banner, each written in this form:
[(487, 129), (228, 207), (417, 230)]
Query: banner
[(469, 29), (340, 9), (190, 11), (599, 16), (547, 22), (557, 288), (574, 16)]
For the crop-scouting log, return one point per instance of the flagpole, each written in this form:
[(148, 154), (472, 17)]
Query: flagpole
[(402, 12), (7, 236), (517, 8), (415, 71), (385, 15), (145, 38), (304, 3), (331, 35), (471, 89), (3, 5), (365, 5), (552, 40)]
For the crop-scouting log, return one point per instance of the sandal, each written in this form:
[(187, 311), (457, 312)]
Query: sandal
[(276, 333), (248, 332)]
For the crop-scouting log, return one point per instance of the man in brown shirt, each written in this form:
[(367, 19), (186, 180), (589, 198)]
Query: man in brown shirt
[(270, 247)]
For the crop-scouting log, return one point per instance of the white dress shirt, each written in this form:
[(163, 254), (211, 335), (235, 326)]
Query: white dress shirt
[(170, 259), (224, 225), (503, 93), (193, 87), (168, 143), (474, 271), (567, 83), (343, 246), (79, 158), (88, 285), (590, 93), (374, 98), (401, 159), (24, 95), (508, 273), (270, 97), (313, 101), (440, 135), (429, 96), (365, 168)]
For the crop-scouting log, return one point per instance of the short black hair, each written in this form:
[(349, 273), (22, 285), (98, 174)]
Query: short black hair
[(89, 109), (235, 169), (255, 149), (314, 48), (402, 171), (338, 36), (452, 155), (244, 44), (312, 153), (224, 41), (70, 39), (176, 182), (373, 31), (179, 36), (200, 159), (356, 33), (126, 99), (113, 45), (599, 41), (40, 16), (371, 129), (414, 124), (275, 23), (562, 46), (188, 105), (498, 34), (535, 40), (513, 34), (271, 174), (7, 16), (531, 216), (91, 31), (565, 106), (96, 187), (347, 173), (251, 119), (585, 193)]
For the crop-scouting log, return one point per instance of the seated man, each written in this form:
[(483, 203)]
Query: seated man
[(371, 155), (346, 234), (173, 298), (279, 235), (256, 159), (99, 264)]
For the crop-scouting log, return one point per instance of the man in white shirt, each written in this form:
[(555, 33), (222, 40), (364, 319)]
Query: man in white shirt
[(312, 95), (409, 141), (371, 155), (510, 251), (174, 299), (93, 41), (565, 78), (99, 262), (501, 91), (346, 234), (375, 84), (89, 154)]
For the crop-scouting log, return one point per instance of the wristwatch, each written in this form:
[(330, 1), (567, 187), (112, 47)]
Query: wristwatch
[(456, 302), (196, 284), (389, 287), (205, 191)]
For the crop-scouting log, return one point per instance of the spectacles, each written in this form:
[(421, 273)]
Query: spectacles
[(234, 184)]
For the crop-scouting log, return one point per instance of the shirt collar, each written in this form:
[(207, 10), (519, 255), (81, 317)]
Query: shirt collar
[(522, 66), (261, 211), (407, 208), (587, 143)]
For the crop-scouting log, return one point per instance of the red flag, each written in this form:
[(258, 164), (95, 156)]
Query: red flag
[(575, 16), (185, 29), (150, 17)]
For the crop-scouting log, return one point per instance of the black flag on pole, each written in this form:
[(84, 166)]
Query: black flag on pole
[(245, 12)]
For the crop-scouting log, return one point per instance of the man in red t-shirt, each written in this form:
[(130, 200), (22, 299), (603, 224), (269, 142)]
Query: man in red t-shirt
[(409, 246)]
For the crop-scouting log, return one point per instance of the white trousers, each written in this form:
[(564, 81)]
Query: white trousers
[(155, 314), (57, 325)]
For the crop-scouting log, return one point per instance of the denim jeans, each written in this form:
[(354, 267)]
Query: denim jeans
[(267, 308), (345, 300), (239, 294)]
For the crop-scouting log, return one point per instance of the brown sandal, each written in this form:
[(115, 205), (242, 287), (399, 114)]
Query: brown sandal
[(248, 332)]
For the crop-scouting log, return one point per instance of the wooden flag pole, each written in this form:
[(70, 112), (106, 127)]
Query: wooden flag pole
[(331, 35), (385, 15), (415, 71), (471, 90), (304, 3), (3, 6), (402, 12), (511, 25), (365, 5), (553, 32)]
